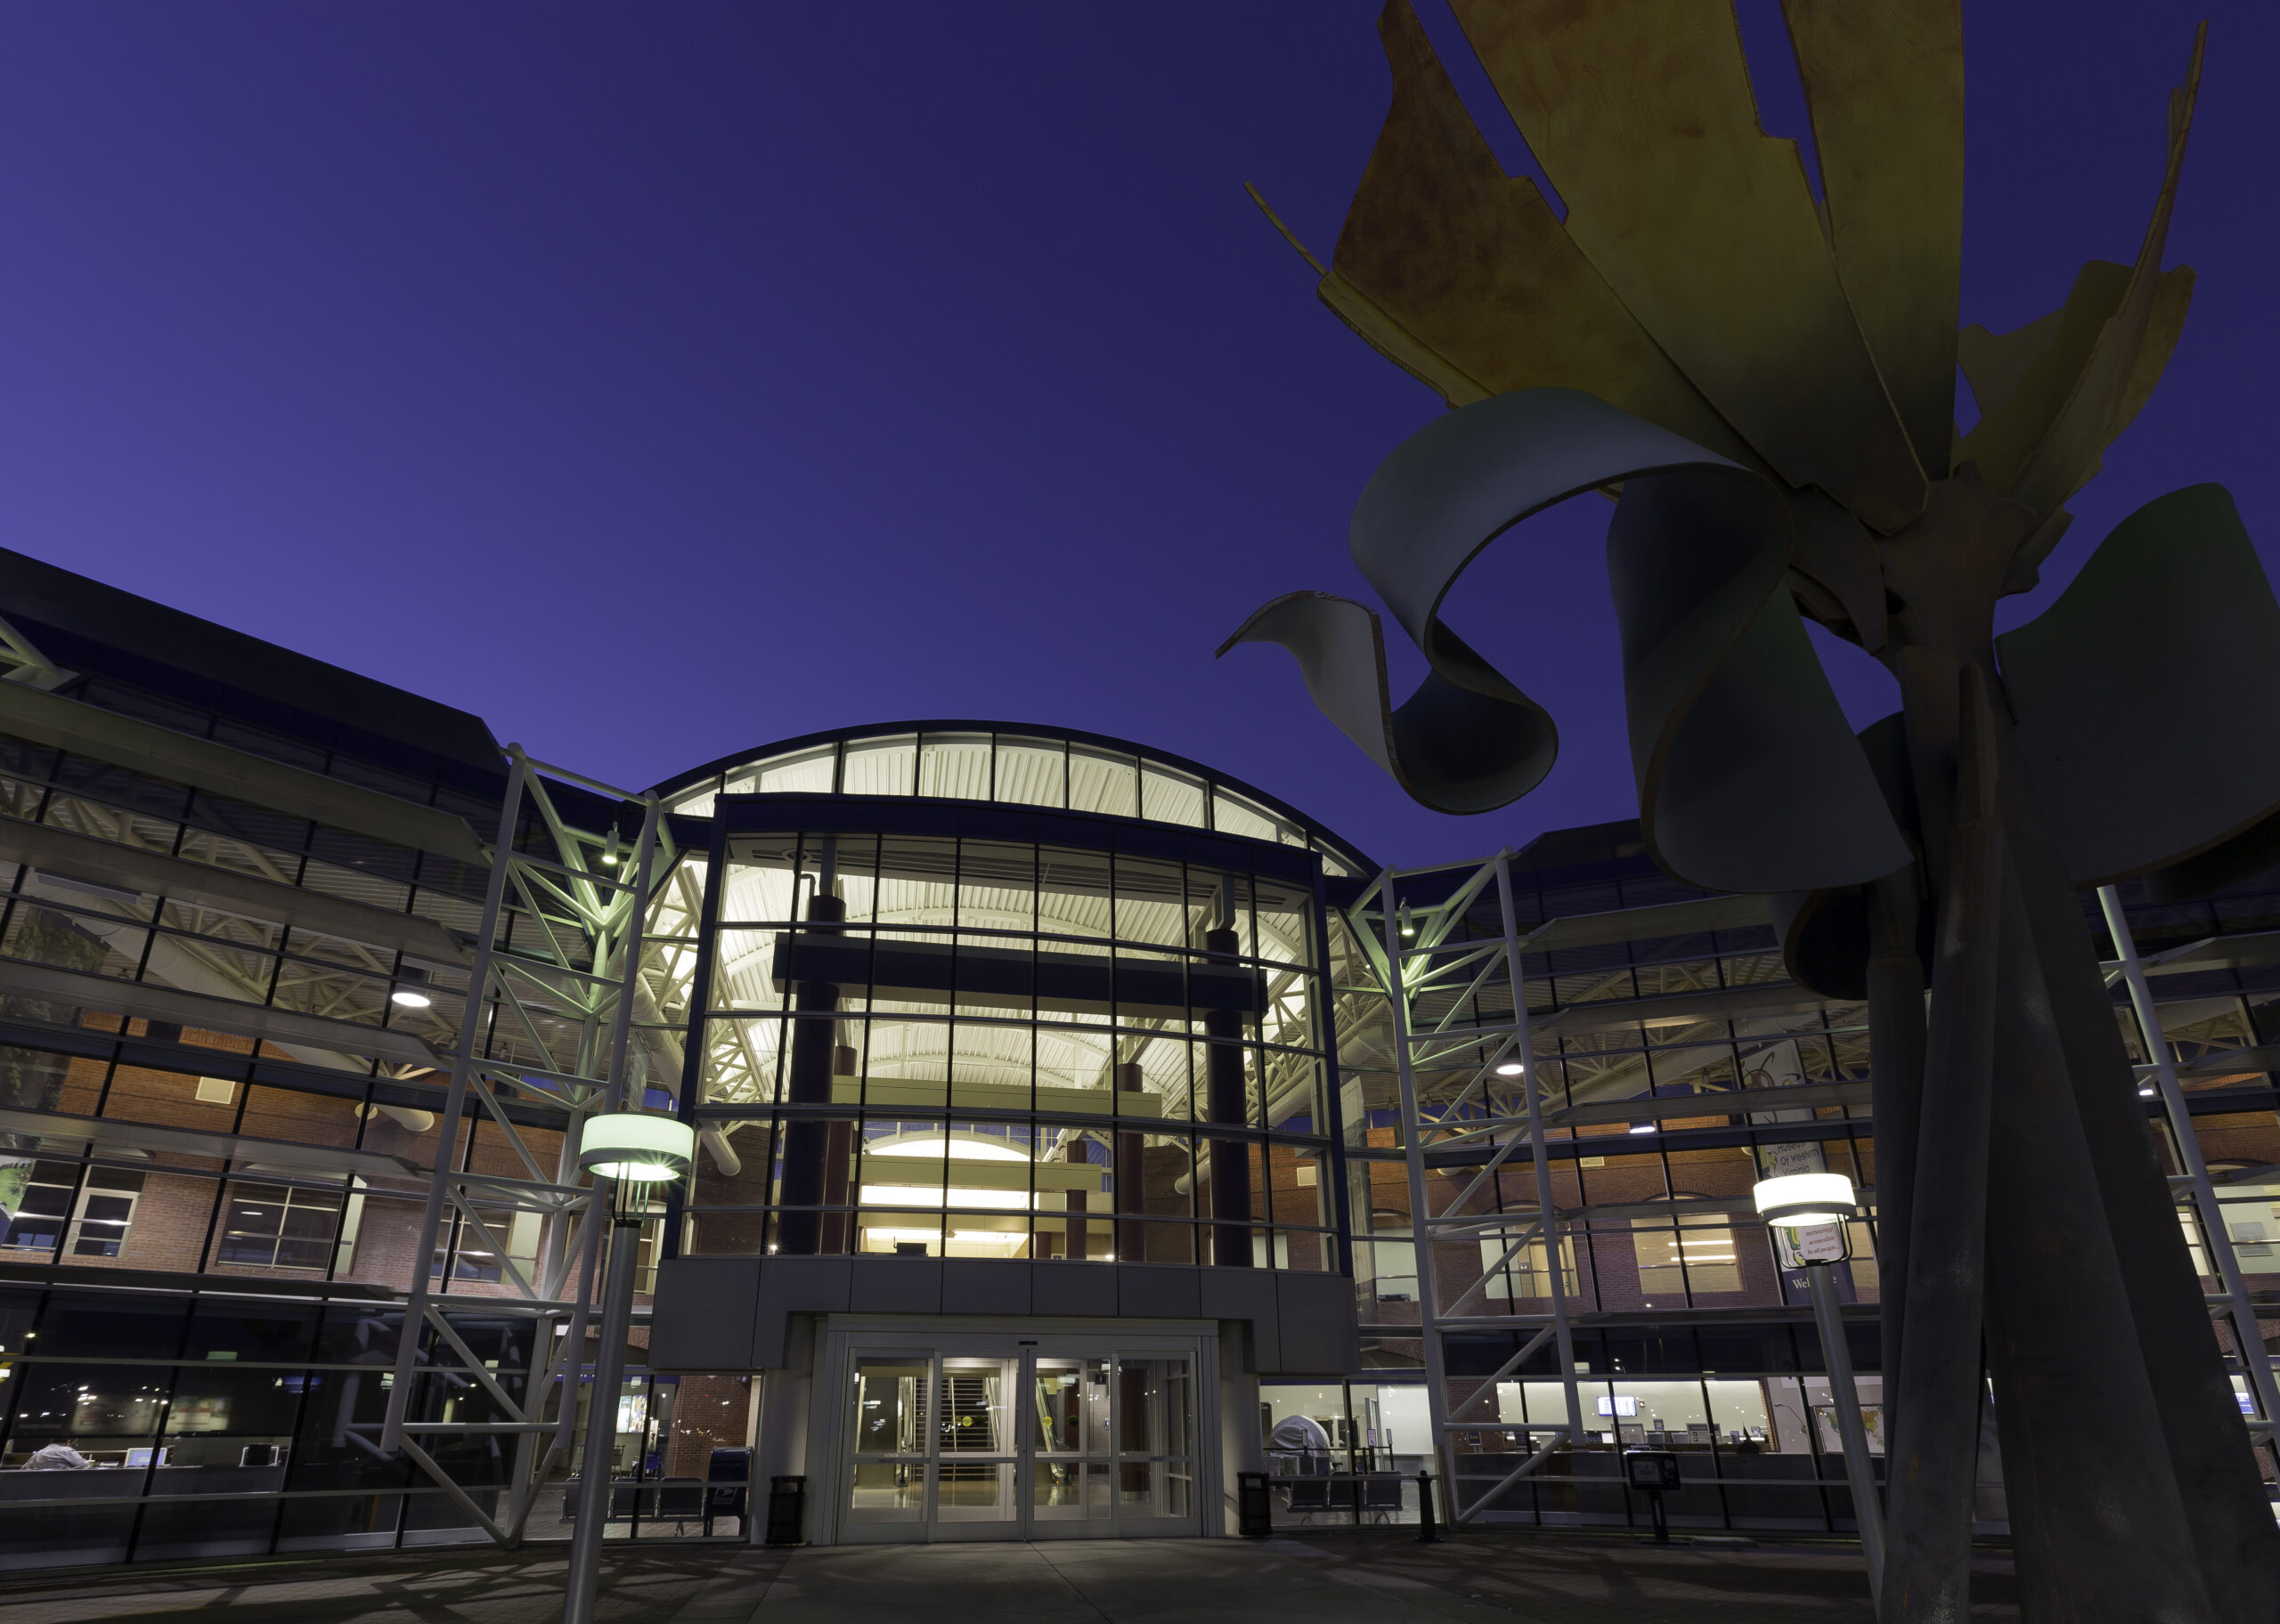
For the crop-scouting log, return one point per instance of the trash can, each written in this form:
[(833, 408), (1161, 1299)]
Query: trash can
[(1254, 1513), (787, 1509)]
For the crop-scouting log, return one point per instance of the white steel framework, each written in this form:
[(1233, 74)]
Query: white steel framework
[(1469, 1080), (541, 998), (555, 985), (2198, 1198)]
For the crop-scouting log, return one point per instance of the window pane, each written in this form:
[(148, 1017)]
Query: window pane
[(1073, 1407), (1103, 783), (887, 1419), (881, 766), (1234, 815), (1031, 772), (1169, 796), (975, 1418), (954, 766), (808, 772), (996, 888), (1155, 1407)]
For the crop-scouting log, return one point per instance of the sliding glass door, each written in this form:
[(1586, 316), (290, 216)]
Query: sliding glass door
[(1034, 1442)]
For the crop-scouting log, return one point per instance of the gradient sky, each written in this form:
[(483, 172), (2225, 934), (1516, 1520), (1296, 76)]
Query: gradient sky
[(660, 381)]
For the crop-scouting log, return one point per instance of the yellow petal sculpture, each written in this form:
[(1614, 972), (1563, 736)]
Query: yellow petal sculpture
[(1766, 382)]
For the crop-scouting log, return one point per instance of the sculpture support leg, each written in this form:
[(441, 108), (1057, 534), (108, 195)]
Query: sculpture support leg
[(2226, 1505), (1934, 1448), (2098, 1527)]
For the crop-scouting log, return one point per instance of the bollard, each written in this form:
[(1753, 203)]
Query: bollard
[(1429, 1531)]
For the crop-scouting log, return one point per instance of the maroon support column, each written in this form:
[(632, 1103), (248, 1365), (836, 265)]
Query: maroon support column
[(1230, 1158), (808, 1144), (1131, 1178), (1078, 1239)]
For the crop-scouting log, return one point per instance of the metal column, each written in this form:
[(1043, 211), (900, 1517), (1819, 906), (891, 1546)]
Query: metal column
[(1844, 1394), (1444, 1068), (2195, 1192), (577, 955)]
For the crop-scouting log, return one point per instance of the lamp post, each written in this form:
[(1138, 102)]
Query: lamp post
[(1808, 1213), (634, 1151)]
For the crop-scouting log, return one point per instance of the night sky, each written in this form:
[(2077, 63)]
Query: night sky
[(662, 381)]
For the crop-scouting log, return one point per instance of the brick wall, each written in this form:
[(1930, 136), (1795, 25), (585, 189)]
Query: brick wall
[(712, 1412)]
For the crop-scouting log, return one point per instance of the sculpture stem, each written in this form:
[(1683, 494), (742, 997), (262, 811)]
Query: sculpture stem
[(1934, 1448), (2234, 1536), (2037, 1218)]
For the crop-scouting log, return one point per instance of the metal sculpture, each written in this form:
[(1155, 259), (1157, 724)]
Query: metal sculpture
[(1768, 383)]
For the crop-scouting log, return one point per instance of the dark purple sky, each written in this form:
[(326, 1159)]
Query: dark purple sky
[(661, 381)]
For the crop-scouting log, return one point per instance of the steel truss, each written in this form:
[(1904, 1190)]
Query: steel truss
[(2196, 1194), (555, 985), (566, 963), (1469, 1080)]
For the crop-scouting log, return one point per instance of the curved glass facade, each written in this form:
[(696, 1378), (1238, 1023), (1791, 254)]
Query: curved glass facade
[(1075, 772), (1000, 1032)]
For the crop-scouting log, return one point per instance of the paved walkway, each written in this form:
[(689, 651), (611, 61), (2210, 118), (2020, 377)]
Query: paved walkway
[(1536, 1578)]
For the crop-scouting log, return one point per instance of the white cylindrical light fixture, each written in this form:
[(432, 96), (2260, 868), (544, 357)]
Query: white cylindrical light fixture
[(636, 1146), (1800, 1200)]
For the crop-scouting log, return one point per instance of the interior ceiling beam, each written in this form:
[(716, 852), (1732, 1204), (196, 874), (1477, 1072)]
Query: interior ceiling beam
[(44, 846), (142, 1000), (144, 747)]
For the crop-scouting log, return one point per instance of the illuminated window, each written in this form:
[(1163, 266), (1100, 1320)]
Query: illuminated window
[(278, 1227), (42, 1208), (106, 1210), (1701, 1241)]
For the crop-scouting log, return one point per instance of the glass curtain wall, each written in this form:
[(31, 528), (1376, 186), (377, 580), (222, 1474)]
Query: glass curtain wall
[(1076, 772), (939, 1046), (1667, 1101)]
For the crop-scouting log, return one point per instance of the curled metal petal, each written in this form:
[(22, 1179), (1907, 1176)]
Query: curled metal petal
[(1452, 749), (1750, 779), (2136, 769)]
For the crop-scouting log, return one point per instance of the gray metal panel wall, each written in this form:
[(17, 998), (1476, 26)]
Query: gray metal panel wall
[(730, 1313)]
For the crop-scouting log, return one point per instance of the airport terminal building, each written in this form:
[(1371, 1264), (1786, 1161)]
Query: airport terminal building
[(1079, 1129)]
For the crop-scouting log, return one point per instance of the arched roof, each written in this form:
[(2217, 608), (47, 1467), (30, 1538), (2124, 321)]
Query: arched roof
[(1014, 763)]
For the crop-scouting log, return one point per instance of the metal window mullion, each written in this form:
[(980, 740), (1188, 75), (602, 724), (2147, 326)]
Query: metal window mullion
[(166, 1418)]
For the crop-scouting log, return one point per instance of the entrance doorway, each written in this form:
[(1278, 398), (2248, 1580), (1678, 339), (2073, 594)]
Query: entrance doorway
[(1045, 1438)]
